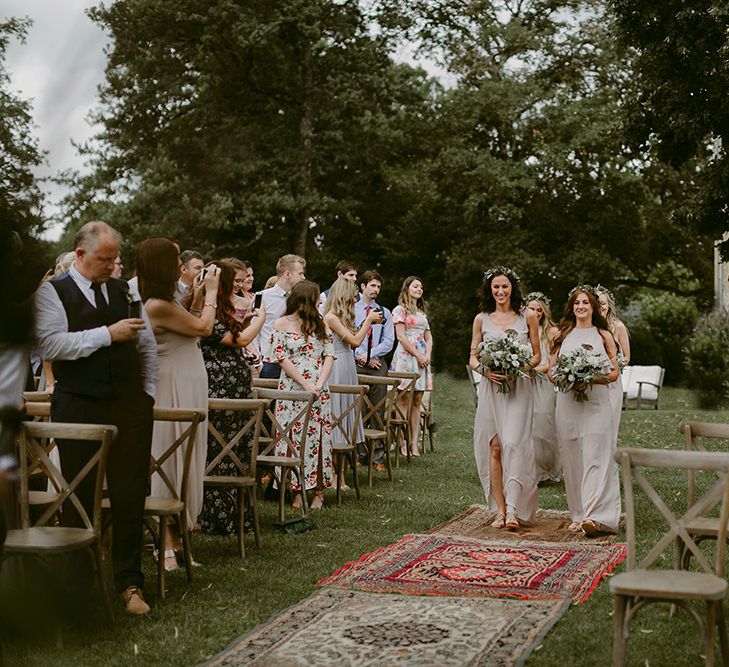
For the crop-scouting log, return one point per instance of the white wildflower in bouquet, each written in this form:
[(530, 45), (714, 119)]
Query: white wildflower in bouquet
[(505, 355), (577, 370)]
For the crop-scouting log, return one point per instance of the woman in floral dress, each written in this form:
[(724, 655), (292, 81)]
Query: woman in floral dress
[(302, 346), (229, 376), (412, 354)]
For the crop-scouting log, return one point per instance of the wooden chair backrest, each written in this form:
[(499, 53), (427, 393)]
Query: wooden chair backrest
[(32, 437), (190, 417), (36, 397), (404, 394), (264, 383), (693, 434), (633, 461), (39, 411), (371, 411), (354, 409), (252, 425), (274, 432)]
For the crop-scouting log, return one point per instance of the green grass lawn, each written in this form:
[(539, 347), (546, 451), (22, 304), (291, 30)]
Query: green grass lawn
[(229, 596)]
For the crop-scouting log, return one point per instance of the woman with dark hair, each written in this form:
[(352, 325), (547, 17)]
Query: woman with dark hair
[(183, 382), (544, 435), (229, 376), (503, 426), (243, 300), (302, 346), (412, 354), (585, 429)]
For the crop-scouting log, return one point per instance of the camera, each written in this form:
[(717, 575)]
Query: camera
[(381, 312)]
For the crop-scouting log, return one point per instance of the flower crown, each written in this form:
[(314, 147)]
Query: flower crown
[(501, 271), (589, 289), (538, 296), (600, 289)]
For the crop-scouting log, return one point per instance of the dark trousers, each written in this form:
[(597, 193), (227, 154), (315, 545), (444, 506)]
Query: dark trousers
[(127, 470), (376, 393), (270, 371)]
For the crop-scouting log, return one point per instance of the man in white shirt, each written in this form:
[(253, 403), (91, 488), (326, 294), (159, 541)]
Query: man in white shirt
[(370, 355), (290, 270), (104, 358)]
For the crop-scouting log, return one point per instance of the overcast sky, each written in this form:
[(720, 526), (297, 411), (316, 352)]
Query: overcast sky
[(58, 68)]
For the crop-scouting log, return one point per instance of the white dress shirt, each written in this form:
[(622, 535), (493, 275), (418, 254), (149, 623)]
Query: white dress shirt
[(273, 302), (57, 343)]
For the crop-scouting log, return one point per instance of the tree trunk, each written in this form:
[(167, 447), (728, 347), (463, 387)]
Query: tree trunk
[(305, 132)]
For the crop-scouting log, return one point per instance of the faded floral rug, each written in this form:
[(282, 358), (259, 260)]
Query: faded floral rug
[(342, 628), (452, 565), (549, 526)]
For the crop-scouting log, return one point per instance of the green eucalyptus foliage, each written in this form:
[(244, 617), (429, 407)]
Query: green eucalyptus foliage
[(707, 359)]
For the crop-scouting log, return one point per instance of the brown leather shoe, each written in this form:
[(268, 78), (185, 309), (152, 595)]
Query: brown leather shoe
[(379, 467), (134, 601)]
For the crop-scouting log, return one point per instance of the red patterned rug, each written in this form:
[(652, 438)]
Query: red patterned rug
[(446, 565)]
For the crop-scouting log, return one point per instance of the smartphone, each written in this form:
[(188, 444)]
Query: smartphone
[(135, 310), (201, 277), (258, 300)]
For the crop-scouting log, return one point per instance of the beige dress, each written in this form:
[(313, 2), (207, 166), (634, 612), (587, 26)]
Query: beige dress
[(508, 416), (183, 383), (544, 434), (587, 443)]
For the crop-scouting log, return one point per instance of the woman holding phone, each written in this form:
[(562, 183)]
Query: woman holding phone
[(183, 382)]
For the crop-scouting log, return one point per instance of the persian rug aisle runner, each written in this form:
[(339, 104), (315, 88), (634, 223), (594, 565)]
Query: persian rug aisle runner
[(549, 526), (452, 565), (342, 628)]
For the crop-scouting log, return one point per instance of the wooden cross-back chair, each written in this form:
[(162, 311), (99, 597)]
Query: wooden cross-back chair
[(344, 440), (40, 410), (38, 537), (695, 436), (242, 485), (400, 421), (426, 421), (274, 434), (377, 416), (643, 582), (172, 506)]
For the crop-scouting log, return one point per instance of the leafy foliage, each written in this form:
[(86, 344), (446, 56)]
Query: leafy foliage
[(707, 359)]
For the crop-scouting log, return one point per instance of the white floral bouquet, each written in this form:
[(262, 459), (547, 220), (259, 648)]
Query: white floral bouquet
[(505, 355), (577, 370)]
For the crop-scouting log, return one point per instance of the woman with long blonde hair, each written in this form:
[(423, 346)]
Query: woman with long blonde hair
[(544, 436), (339, 317), (412, 354)]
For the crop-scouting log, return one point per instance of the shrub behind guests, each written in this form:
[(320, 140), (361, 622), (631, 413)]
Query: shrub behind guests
[(707, 359)]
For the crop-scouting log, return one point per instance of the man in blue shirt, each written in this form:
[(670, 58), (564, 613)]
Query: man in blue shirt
[(370, 355)]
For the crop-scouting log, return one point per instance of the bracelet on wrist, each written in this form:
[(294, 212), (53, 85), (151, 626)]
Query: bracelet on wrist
[(209, 303)]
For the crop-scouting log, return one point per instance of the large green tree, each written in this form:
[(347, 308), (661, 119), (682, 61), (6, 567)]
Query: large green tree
[(256, 128), (678, 107)]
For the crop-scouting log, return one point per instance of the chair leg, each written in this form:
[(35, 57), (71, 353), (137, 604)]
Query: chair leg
[(241, 503), (186, 544), (161, 537), (339, 467), (711, 621), (619, 639), (253, 501), (104, 592), (371, 444), (721, 627), (302, 485), (354, 463), (282, 493), (388, 461)]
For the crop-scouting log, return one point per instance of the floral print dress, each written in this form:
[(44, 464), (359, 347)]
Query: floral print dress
[(307, 353), (229, 376), (402, 361)]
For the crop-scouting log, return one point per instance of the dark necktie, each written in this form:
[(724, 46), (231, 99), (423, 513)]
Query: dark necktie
[(101, 306), (369, 334)]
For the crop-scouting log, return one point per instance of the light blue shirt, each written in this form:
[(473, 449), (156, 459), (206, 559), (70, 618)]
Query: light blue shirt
[(383, 335)]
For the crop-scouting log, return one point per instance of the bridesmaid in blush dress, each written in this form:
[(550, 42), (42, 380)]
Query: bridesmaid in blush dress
[(183, 382), (544, 436), (503, 427), (586, 430)]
